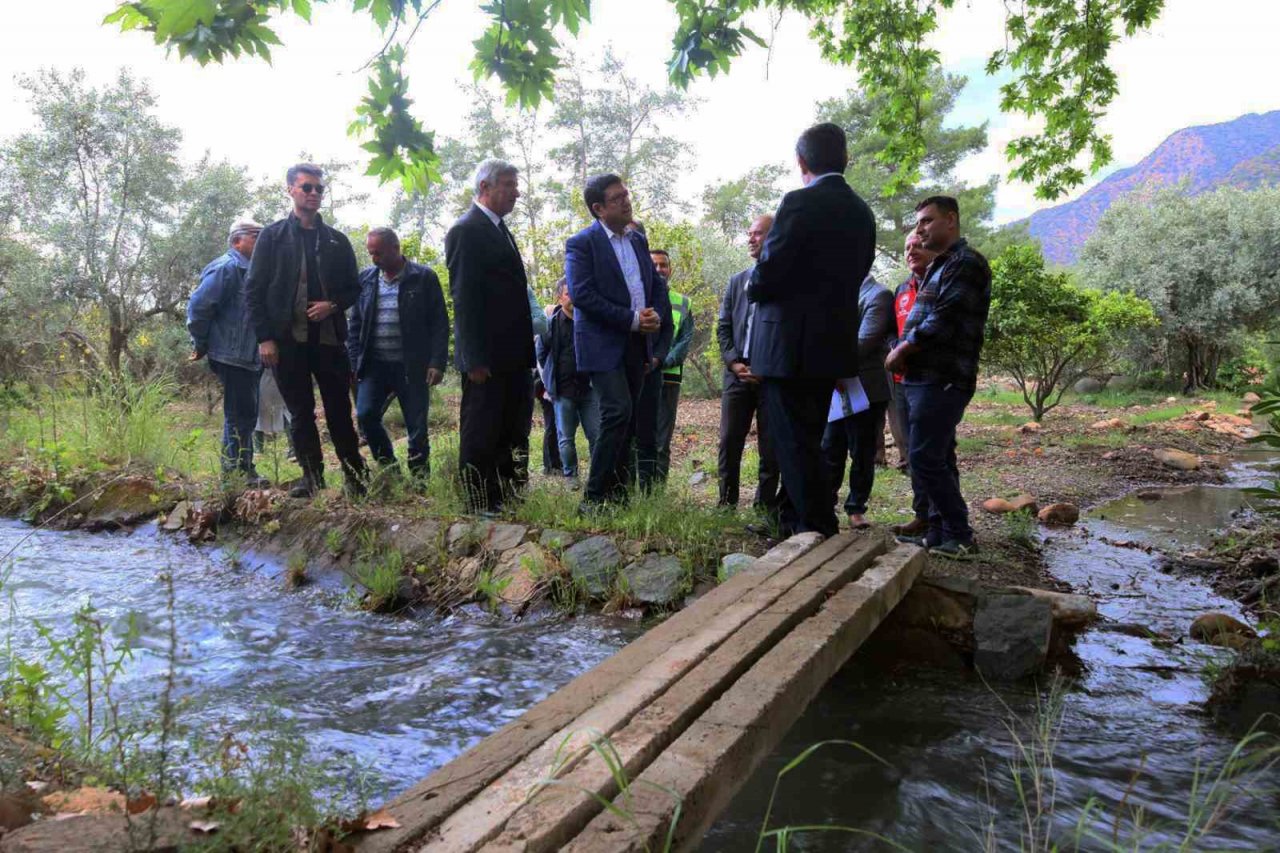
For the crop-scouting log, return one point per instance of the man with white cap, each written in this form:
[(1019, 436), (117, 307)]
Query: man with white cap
[(218, 323)]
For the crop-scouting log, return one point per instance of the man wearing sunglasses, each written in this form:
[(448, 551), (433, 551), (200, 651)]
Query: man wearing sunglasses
[(302, 278)]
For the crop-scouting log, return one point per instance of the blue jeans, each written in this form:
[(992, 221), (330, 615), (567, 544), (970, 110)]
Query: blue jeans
[(936, 411), (570, 412), (239, 415), (380, 380)]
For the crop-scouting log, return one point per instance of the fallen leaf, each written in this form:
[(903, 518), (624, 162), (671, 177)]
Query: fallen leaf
[(195, 803), (86, 800), (381, 819), (141, 803), (205, 827)]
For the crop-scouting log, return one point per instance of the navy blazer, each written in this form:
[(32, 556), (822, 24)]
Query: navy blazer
[(807, 283), (602, 314)]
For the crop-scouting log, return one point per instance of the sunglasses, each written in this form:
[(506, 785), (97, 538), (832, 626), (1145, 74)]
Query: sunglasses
[(318, 189)]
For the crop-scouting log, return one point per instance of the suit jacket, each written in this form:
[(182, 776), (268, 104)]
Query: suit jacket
[(877, 325), (602, 314), (807, 282), (731, 324), (492, 326)]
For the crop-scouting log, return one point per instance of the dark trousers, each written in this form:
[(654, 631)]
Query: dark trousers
[(668, 405), (853, 437), (902, 405), (797, 413), (628, 402), (493, 443), (550, 438), (239, 414), (897, 422), (738, 403), (381, 380), (328, 366), (936, 411)]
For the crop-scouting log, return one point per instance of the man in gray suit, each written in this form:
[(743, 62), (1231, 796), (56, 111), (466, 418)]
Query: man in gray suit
[(740, 399), (855, 436)]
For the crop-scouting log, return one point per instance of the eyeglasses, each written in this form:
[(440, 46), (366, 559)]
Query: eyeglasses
[(318, 189)]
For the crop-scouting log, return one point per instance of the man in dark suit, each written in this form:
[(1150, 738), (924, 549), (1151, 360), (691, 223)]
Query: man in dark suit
[(740, 399), (804, 335), (855, 436), (622, 330), (493, 340)]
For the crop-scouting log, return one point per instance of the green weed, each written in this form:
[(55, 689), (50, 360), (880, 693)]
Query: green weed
[(1020, 528), (381, 578)]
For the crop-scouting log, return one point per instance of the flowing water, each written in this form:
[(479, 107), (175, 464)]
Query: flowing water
[(401, 696)]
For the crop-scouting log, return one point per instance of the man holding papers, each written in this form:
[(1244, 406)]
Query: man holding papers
[(858, 405)]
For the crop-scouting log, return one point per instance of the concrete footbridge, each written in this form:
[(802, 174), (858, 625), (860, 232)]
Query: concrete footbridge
[(667, 730)]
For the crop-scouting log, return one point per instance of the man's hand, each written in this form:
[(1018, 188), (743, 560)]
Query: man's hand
[(651, 365), (650, 322), (195, 356), (479, 375), (434, 375), (317, 311), (897, 360), (270, 353), (744, 373)]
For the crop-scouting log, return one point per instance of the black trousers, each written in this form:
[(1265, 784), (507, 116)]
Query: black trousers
[(738, 403), (550, 438), (854, 437), (493, 442), (328, 366), (797, 416), (628, 398), (919, 503)]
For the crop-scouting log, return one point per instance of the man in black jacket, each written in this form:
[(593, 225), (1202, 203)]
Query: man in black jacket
[(740, 399), (804, 335), (398, 340), (493, 340), (302, 277)]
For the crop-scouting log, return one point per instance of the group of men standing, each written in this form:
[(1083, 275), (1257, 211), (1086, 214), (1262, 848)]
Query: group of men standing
[(806, 320)]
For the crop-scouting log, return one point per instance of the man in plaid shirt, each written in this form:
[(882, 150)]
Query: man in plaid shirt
[(938, 355)]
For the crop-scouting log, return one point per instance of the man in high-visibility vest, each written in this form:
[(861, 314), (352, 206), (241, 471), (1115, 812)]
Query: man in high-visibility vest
[(673, 366)]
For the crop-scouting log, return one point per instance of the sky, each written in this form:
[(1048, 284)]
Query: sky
[(1203, 62)]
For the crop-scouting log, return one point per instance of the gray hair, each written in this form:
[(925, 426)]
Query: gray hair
[(490, 170), (385, 234), (241, 228)]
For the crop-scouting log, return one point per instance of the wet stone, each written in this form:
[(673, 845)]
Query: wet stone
[(594, 563), (556, 539), (654, 579), (732, 564), (1011, 636)]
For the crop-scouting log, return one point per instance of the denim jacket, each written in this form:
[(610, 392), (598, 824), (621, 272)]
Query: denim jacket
[(218, 317)]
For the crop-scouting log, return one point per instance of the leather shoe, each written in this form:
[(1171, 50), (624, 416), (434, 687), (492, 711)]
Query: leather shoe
[(914, 527), (858, 522)]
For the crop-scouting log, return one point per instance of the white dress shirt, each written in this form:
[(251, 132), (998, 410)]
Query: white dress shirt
[(626, 255)]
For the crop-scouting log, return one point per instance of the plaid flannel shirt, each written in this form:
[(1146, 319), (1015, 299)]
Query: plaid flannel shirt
[(949, 319)]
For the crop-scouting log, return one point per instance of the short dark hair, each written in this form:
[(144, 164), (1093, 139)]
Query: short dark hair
[(944, 203), (824, 148), (662, 252), (302, 169), (562, 285), (595, 189)]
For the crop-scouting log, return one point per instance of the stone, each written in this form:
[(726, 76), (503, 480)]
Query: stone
[(465, 537), (731, 564), (594, 563), (1178, 459), (1069, 610), (1149, 495), (698, 478), (1029, 427), (1087, 385), (91, 833), (944, 604), (631, 548), (1200, 416), (1109, 423), (178, 517), (1024, 502), (123, 503), (998, 506), (1221, 629), (1011, 635), (1122, 383), (521, 571), (556, 539), (1250, 398), (1171, 399), (655, 579), (1059, 513)]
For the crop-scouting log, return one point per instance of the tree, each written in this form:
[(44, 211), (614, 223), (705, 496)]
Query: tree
[(1208, 264), (730, 206), (887, 185), (1056, 53), (1046, 333)]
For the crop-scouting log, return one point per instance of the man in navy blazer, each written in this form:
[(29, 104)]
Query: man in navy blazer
[(622, 329), (804, 335)]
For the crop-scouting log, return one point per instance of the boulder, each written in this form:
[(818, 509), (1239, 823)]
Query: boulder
[(1220, 629), (1179, 459), (594, 563), (178, 517), (1011, 635), (89, 833), (1024, 502), (943, 604), (520, 571), (556, 539), (123, 503), (732, 564), (1069, 610), (1059, 513), (465, 537), (1087, 385), (654, 579), (1250, 398), (999, 506)]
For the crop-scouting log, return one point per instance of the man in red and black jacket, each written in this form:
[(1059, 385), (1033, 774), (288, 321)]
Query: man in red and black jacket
[(918, 259)]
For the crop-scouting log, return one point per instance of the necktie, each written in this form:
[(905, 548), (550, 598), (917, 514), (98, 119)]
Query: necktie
[(502, 226)]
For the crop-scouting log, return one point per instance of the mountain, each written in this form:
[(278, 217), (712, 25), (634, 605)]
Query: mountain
[(1243, 152)]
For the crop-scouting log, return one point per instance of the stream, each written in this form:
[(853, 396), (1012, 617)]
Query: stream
[(398, 697)]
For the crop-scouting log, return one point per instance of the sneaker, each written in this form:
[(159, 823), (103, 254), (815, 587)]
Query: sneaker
[(955, 550), (306, 486), (254, 480), (914, 527), (918, 541)]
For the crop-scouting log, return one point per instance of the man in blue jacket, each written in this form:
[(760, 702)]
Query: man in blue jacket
[(219, 327), (398, 343), (622, 331)]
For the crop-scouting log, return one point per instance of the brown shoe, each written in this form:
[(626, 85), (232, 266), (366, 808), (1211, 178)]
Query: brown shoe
[(858, 522), (914, 527)]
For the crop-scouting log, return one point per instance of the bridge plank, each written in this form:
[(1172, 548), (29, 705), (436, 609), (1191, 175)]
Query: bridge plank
[(717, 754), (550, 819), (426, 804)]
